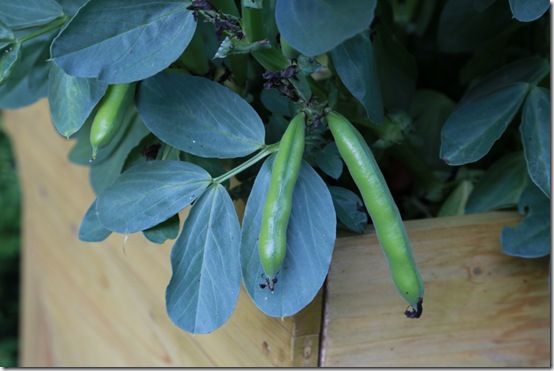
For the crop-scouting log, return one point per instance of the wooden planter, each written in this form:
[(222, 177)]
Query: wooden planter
[(103, 304)]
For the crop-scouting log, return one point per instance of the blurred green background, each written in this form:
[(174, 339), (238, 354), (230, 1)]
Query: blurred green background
[(9, 253)]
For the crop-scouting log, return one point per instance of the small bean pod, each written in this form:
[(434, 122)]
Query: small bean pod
[(272, 242), (382, 209), (110, 114)]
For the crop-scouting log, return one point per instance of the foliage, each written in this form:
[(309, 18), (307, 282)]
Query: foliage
[(452, 97), (9, 255)]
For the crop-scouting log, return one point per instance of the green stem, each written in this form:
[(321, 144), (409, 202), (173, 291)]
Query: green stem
[(41, 31), (252, 23), (266, 151), (169, 151), (226, 7)]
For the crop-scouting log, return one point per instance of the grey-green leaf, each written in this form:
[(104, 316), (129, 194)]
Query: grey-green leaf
[(6, 35), (328, 159), (314, 27), (199, 116), (118, 41), (80, 153), (350, 209), (9, 56), (429, 111), (501, 186), (91, 230), (104, 173), (535, 132), (355, 65), (462, 27), (531, 70), (17, 14), (205, 283), (530, 238), (310, 241), (276, 102), (28, 79), (528, 10), (70, 7), (476, 124), (148, 194), (166, 230), (72, 100), (396, 68)]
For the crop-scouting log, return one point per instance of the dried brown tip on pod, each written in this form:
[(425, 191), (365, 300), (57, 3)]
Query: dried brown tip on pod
[(412, 312)]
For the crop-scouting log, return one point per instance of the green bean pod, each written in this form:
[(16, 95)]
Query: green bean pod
[(272, 242), (382, 209), (110, 114)]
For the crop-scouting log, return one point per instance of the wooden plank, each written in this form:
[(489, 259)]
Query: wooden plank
[(103, 304), (481, 308)]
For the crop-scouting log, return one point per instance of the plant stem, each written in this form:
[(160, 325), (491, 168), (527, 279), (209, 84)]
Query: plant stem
[(252, 22), (266, 151), (41, 31)]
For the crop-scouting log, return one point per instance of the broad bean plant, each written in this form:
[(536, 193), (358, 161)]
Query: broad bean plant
[(437, 108)]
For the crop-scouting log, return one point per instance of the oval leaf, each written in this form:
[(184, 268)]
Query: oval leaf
[(531, 237), (6, 35), (91, 230), (470, 131), (350, 209), (535, 135), (276, 102), (500, 187), (199, 116), (310, 241), (205, 283), (332, 21), (28, 80), (72, 100), (528, 10), (136, 39), (104, 173), (355, 65), (396, 67), (427, 124), (328, 159), (148, 194), (463, 28), (531, 70), (70, 7), (9, 55), (167, 230), (28, 13)]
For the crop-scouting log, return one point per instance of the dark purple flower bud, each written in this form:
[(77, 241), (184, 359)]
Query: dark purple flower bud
[(200, 5), (288, 72)]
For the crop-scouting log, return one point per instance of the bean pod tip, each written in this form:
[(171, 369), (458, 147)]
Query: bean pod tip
[(415, 311)]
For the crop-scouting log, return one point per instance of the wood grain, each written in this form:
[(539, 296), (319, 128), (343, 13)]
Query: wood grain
[(481, 308), (103, 304)]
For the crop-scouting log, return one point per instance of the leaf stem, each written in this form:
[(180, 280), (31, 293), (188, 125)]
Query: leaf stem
[(266, 151), (41, 31)]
